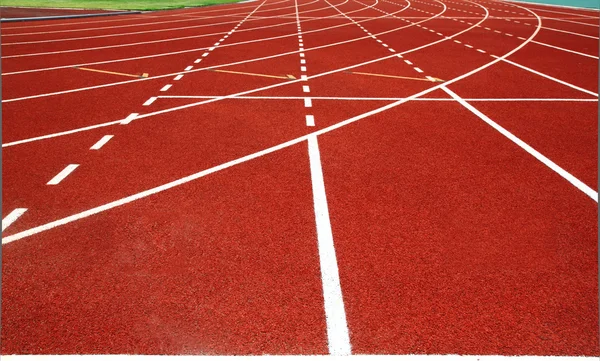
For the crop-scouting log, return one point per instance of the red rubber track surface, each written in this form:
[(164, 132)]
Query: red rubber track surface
[(450, 238)]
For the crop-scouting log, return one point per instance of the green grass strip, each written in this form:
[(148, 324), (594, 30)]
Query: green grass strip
[(114, 4)]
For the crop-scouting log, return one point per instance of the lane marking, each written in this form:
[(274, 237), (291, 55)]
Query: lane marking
[(178, 77), (149, 101), (481, 51), (302, 61), (408, 62), (204, 55), (307, 102), (63, 174), (570, 32), (197, 61), (563, 173), (101, 142), (144, 75), (303, 77), (302, 55), (547, 76), (565, 50), (165, 88), (418, 70), (335, 314), (12, 217), (310, 121), (469, 46), (189, 68), (132, 116), (289, 76), (305, 89), (302, 68), (391, 76)]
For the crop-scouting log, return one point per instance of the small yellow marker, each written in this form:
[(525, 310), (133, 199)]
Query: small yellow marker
[(144, 75), (288, 76), (396, 76)]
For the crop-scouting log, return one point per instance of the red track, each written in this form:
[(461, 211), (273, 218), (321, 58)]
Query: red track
[(463, 219)]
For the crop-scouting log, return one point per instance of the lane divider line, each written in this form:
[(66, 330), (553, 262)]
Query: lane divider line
[(132, 116), (166, 87), (62, 174), (178, 77), (149, 101), (12, 217)]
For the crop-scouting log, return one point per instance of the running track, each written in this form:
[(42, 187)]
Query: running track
[(448, 207)]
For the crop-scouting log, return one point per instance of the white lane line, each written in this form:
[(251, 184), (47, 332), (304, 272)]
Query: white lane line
[(305, 89), (178, 77), (197, 61), (302, 61), (189, 68), (307, 102), (418, 70), (63, 174), (303, 77), (507, 34), (499, 32), (166, 87), (301, 55), (408, 62), (204, 55), (456, 41), (547, 76), (335, 313), (565, 50), (211, 48), (563, 173), (310, 121), (149, 101), (12, 217), (481, 51), (302, 68), (379, 41), (570, 32), (217, 44), (392, 50), (101, 142)]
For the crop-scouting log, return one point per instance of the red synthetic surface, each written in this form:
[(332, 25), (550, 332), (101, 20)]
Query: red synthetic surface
[(450, 238)]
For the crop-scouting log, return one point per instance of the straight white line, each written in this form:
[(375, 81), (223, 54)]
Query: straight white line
[(11, 218), (132, 116), (307, 102), (570, 32), (305, 89), (149, 101), (189, 68), (563, 173), (101, 142), (335, 313), (63, 174), (548, 76), (565, 50), (310, 121), (166, 87), (178, 77)]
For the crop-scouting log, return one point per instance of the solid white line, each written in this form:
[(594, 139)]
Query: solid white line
[(131, 116), (101, 142), (178, 77), (570, 32), (149, 101), (570, 21), (310, 121), (307, 102), (335, 313), (565, 50), (305, 89), (63, 174), (188, 68), (10, 219), (166, 87), (563, 173), (548, 77)]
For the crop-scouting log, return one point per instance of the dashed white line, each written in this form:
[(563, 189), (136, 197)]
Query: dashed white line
[(302, 55), (166, 87), (12, 217), (310, 121), (189, 68), (307, 102), (99, 144), (302, 61), (418, 70), (211, 48), (302, 68), (132, 116), (303, 77), (204, 55), (149, 101), (305, 89), (481, 51), (469, 46), (63, 174), (178, 77), (408, 62), (197, 61)]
